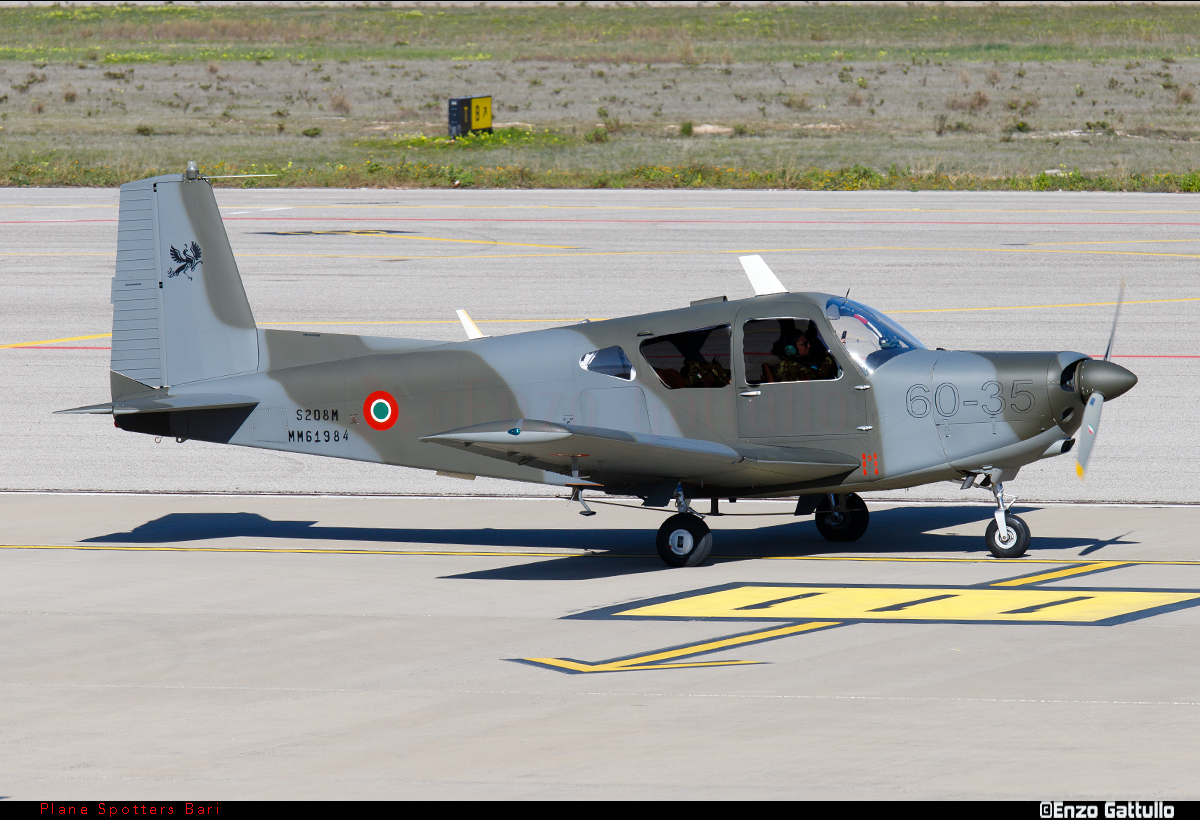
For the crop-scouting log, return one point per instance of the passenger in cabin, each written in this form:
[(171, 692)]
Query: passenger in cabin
[(697, 372)]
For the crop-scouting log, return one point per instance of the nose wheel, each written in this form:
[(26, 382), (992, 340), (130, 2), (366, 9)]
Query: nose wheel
[(1007, 535), (684, 541), (1012, 542)]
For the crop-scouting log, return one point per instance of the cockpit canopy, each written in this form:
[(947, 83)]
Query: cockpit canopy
[(869, 337)]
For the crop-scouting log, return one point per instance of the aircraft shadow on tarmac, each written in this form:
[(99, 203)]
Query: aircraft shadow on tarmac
[(893, 531)]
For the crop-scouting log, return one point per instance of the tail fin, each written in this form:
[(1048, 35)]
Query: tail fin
[(180, 313)]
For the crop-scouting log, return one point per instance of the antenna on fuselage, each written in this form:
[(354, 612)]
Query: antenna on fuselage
[(762, 278)]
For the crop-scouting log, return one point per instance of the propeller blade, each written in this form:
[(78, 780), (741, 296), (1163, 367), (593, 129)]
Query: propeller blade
[(1087, 433), (1116, 314)]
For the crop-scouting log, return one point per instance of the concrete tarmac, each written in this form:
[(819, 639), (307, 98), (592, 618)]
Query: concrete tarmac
[(221, 647)]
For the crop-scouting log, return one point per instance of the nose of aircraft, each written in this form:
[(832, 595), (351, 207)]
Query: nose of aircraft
[(1108, 379)]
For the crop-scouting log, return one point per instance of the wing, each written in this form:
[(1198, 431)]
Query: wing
[(617, 455), (176, 255), (195, 252)]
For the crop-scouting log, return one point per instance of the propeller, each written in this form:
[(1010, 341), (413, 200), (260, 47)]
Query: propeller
[(1096, 382)]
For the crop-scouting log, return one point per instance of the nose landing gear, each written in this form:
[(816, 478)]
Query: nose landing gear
[(1007, 535)]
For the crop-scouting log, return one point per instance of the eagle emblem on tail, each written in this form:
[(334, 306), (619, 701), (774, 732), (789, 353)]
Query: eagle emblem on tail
[(187, 259)]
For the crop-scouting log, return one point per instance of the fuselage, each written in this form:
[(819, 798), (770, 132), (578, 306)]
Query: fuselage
[(720, 371)]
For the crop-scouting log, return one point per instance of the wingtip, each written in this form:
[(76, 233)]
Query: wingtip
[(762, 278), (469, 327)]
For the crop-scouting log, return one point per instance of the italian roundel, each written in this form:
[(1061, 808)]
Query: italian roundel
[(381, 410)]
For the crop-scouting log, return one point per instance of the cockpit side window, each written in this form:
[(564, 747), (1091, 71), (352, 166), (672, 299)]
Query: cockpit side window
[(786, 350), (869, 337), (608, 361), (693, 359)]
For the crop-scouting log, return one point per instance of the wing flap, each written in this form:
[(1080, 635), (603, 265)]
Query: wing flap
[(596, 451)]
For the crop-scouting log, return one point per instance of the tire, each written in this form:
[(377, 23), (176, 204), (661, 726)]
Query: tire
[(684, 541), (843, 526), (1018, 532)]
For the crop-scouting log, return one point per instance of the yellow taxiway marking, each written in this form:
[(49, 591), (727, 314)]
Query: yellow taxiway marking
[(1027, 559), (602, 318), (820, 607), (1059, 573), (56, 341), (384, 235), (671, 208), (286, 550), (1044, 307), (663, 659), (854, 249), (747, 208), (974, 604), (1083, 564)]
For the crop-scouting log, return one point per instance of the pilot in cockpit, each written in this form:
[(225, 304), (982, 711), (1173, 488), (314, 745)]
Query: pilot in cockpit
[(802, 357)]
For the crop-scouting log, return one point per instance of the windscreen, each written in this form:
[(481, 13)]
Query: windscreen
[(869, 337)]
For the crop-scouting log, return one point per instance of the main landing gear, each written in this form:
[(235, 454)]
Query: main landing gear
[(842, 517), (684, 540)]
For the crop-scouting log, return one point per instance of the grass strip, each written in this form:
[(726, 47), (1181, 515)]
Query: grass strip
[(683, 33), (407, 174)]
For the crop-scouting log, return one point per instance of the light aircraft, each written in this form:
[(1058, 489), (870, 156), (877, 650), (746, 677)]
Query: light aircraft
[(804, 395)]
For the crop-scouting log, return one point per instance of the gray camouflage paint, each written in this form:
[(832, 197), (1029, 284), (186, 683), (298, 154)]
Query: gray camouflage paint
[(921, 417)]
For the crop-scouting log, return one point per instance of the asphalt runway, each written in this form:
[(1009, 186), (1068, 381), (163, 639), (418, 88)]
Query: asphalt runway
[(961, 270), (239, 623), (227, 647)]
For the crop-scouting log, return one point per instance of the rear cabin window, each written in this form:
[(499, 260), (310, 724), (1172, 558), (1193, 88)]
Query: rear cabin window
[(786, 350), (696, 358), (609, 361)]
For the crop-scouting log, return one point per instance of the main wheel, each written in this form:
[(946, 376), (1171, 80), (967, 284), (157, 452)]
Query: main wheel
[(836, 525), (1014, 541), (684, 541)]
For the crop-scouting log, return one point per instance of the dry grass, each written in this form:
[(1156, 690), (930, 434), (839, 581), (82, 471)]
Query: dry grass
[(1185, 96), (801, 102), (340, 104), (974, 103), (1026, 124)]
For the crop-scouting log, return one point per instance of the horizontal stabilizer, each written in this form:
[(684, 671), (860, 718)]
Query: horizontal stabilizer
[(615, 454), (161, 404)]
